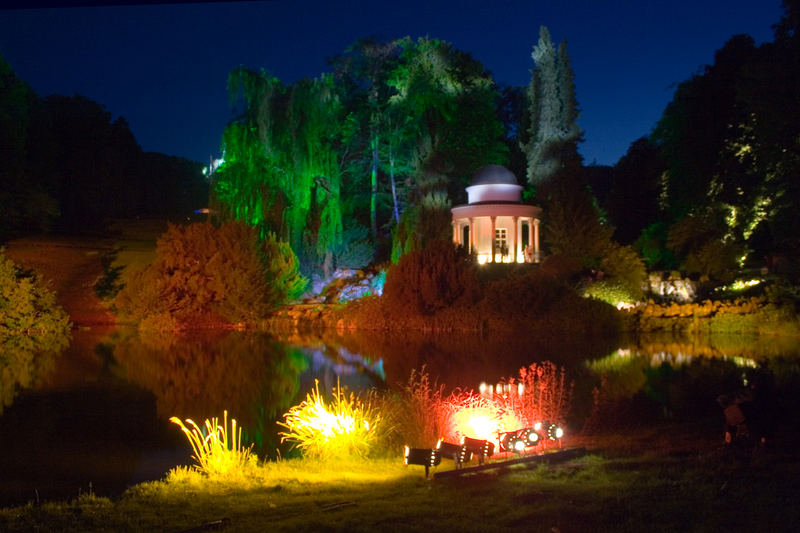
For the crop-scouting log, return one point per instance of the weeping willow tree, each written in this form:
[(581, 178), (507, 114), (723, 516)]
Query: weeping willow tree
[(281, 171)]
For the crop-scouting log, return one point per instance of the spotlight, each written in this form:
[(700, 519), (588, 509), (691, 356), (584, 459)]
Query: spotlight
[(517, 441), (531, 436), (423, 457), (480, 447), (518, 444), (553, 431), (504, 439), (454, 452)]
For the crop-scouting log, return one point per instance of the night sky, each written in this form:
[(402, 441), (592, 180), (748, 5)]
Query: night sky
[(164, 67)]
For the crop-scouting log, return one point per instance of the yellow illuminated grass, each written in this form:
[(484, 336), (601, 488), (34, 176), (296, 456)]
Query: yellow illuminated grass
[(217, 452), (347, 426)]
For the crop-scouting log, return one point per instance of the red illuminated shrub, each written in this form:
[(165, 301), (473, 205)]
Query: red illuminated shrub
[(426, 281), (528, 293)]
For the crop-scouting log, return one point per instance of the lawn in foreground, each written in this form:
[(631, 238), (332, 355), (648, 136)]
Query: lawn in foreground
[(716, 491)]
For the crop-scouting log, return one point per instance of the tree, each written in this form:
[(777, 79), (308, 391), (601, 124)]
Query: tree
[(553, 110), (730, 139), (27, 307), (633, 201), (282, 168), (27, 203), (572, 224), (451, 105), (364, 70)]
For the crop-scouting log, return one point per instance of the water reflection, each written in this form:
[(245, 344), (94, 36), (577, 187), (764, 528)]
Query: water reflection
[(459, 360), (25, 361), (253, 376), (101, 415), (670, 377)]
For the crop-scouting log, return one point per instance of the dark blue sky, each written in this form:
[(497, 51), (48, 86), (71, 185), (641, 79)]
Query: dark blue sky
[(164, 67)]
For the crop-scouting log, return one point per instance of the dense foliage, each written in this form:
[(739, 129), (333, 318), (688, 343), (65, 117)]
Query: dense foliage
[(27, 307), (553, 129), (202, 273), (427, 280), (65, 164), (730, 144), (397, 128), (33, 330)]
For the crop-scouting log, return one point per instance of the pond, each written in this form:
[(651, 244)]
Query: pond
[(95, 416)]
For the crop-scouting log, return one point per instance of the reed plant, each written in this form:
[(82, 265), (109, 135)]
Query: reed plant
[(543, 392), (422, 413), (345, 426), (217, 452)]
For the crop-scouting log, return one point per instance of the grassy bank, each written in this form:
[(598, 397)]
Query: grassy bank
[(649, 482)]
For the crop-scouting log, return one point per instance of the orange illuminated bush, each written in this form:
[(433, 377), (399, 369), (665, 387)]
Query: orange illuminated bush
[(206, 273)]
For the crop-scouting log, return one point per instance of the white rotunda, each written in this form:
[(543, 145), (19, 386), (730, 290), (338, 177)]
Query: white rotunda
[(495, 225)]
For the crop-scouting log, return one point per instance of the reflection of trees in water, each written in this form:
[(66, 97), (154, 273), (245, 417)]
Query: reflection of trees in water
[(199, 375), (666, 375), (25, 360), (457, 359)]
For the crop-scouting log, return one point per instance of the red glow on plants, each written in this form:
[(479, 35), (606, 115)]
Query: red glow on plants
[(480, 418)]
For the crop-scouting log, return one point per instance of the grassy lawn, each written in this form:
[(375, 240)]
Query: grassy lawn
[(702, 490)]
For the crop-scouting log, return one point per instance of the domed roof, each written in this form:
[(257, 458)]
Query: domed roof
[(494, 174)]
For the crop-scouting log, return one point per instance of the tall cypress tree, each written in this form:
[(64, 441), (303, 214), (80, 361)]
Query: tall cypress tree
[(553, 110)]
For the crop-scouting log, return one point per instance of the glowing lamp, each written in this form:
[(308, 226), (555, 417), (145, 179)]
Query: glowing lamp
[(480, 447), (531, 436), (505, 439), (422, 457), (553, 431), (517, 441)]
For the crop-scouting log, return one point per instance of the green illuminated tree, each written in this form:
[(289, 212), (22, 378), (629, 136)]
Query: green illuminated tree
[(553, 110), (730, 139), (363, 70), (281, 170), (450, 104)]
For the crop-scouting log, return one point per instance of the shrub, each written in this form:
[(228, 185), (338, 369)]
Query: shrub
[(612, 291), (436, 277), (26, 306), (627, 269), (524, 294), (202, 272), (560, 267)]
